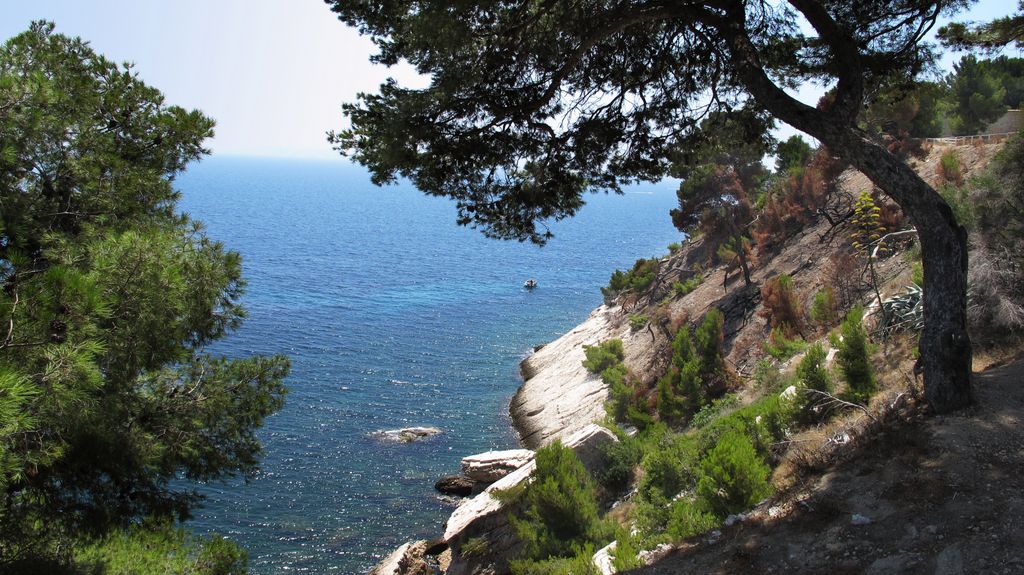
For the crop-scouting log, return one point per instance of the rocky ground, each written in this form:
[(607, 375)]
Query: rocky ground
[(941, 494)]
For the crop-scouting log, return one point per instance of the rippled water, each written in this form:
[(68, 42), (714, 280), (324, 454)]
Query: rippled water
[(393, 316)]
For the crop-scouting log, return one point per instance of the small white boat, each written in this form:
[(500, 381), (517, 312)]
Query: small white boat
[(530, 283)]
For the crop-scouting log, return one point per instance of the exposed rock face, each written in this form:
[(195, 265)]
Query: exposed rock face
[(484, 516), (455, 485), (603, 559), (491, 466), (409, 559), (560, 396), (406, 434)]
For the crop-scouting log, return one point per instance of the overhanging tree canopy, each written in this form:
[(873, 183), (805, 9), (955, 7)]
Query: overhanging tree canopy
[(108, 299), (532, 103)]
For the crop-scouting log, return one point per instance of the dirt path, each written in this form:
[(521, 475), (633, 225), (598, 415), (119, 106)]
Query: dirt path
[(942, 495)]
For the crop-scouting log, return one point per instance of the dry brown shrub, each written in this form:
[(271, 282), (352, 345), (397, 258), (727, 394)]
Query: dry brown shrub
[(844, 272), (782, 306)]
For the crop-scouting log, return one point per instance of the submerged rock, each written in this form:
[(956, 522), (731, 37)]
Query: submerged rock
[(493, 465), (406, 434), (455, 485)]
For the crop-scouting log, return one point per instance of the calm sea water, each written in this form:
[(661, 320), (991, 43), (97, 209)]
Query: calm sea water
[(393, 316)]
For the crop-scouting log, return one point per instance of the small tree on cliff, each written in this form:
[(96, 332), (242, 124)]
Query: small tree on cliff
[(531, 104)]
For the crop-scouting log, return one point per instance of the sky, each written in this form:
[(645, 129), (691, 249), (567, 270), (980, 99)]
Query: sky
[(272, 73)]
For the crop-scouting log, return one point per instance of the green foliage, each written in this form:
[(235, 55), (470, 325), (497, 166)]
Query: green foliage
[(620, 458), (111, 406), (558, 513), (793, 153), (950, 168), (823, 309), (474, 547), (683, 288), (854, 357), (917, 273), (601, 357), (670, 467), (734, 477), (686, 518), (636, 279), (990, 35), (959, 200), (812, 375), (903, 311), (578, 564), (978, 95), (781, 347), (157, 549), (638, 321), (674, 247), (626, 554), (712, 410), (671, 407)]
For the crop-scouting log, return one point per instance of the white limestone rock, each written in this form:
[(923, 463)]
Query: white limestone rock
[(491, 466)]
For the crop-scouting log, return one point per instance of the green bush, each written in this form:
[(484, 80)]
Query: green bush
[(620, 457), (638, 321), (626, 553), (686, 519), (671, 407), (712, 410), (823, 310), (579, 564), (670, 467), (674, 247), (158, 548), (764, 422), (959, 200), (812, 375), (854, 357), (781, 347), (917, 273), (558, 508), (683, 288), (474, 547), (733, 476), (601, 357), (637, 279)]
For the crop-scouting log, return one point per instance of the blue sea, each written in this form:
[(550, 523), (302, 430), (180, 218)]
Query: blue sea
[(393, 316)]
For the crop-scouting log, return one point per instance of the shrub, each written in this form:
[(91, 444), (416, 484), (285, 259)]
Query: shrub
[(638, 321), (673, 247), (474, 547), (812, 375), (854, 357), (626, 555), (949, 169), (708, 347), (579, 564), (917, 273), (823, 310), (686, 519), (671, 467), (959, 200), (620, 457), (683, 288), (781, 347), (733, 476), (638, 278), (781, 308), (671, 407), (601, 357), (713, 409), (558, 512)]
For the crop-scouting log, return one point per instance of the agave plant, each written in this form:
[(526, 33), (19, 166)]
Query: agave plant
[(903, 312)]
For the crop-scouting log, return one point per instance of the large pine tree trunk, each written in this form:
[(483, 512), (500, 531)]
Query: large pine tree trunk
[(945, 345)]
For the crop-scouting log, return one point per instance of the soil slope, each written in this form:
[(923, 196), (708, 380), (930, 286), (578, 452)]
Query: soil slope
[(935, 495)]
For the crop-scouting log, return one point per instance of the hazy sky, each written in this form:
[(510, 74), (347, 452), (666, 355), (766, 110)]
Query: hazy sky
[(273, 73)]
